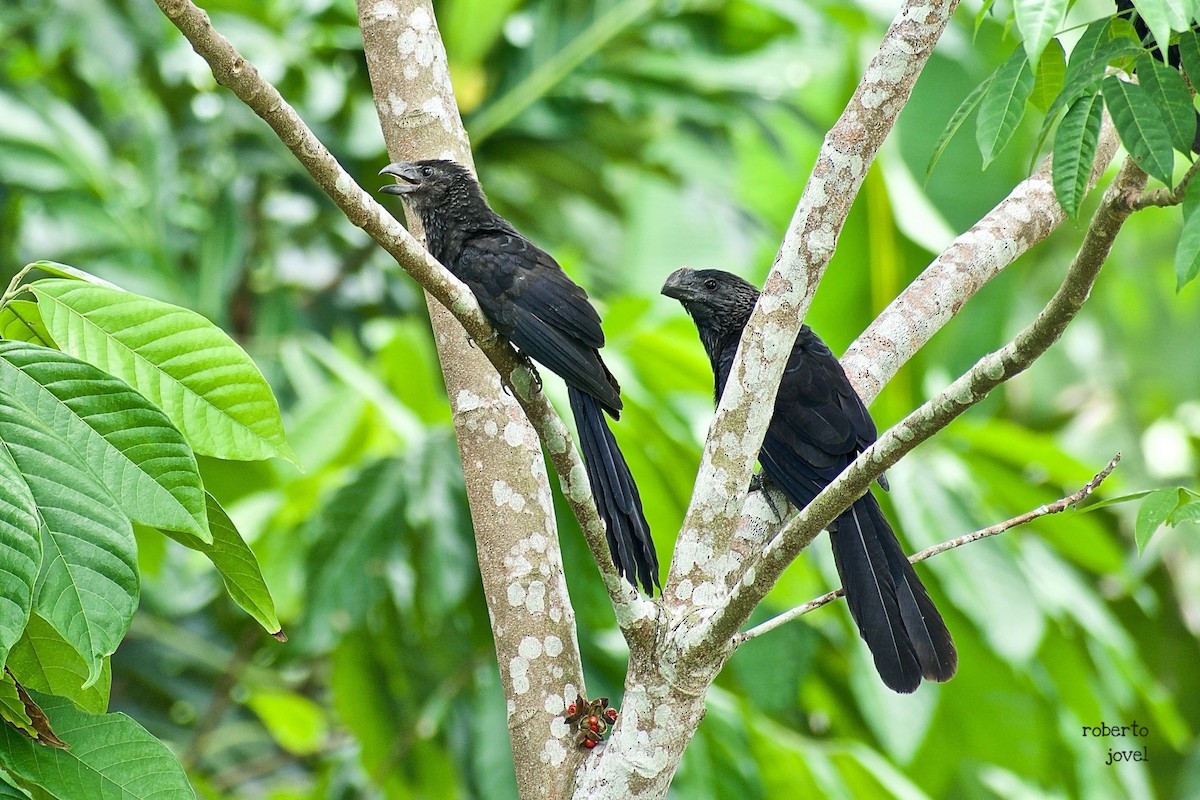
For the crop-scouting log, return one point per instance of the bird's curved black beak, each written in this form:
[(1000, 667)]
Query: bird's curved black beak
[(408, 179), (680, 284)]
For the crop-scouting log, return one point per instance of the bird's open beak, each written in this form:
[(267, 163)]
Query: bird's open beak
[(406, 175), (679, 284)]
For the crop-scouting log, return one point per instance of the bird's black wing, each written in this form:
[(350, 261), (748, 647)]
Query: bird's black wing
[(539, 309)]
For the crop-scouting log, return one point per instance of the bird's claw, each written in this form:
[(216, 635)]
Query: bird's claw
[(489, 340), (533, 372)]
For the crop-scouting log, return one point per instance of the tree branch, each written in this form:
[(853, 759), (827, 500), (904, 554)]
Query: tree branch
[(701, 560), (1056, 507), (989, 372), (1163, 198), (235, 73), (1029, 214)]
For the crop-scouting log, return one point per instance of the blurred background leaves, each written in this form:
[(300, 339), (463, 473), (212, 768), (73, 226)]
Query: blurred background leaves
[(627, 137)]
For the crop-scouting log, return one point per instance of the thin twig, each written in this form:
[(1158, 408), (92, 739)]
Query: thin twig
[(1163, 198), (1056, 507)]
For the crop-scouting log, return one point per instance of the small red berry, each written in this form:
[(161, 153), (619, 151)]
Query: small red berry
[(611, 714), (571, 709), (593, 722), (589, 744)]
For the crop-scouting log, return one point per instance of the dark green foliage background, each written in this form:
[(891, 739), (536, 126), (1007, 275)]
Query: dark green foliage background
[(684, 138)]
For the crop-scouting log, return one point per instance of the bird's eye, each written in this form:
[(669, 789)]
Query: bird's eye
[(711, 285), (426, 171)]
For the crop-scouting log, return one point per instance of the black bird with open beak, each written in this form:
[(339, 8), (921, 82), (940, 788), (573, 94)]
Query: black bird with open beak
[(547, 316), (819, 426)]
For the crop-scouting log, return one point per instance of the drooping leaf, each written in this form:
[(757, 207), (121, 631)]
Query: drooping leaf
[(128, 445), (1075, 150), (1038, 21), (239, 568), (1049, 76), (1170, 94), (12, 708), (21, 321), (42, 660), (1140, 127), (1154, 511), (1187, 251), (969, 104), (180, 361), (1103, 43), (1003, 105), (33, 719), (1161, 17), (109, 756), (20, 552)]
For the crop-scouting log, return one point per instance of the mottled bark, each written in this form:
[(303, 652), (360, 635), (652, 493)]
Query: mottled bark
[(533, 623)]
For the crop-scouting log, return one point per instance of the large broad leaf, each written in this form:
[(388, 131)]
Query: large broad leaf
[(1038, 21), (1103, 43), (1075, 150), (43, 661), (1162, 17), (128, 445), (1003, 105), (20, 552), (1140, 127), (1170, 94), (109, 756), (1189, 55), (183, 363), (239, 568)]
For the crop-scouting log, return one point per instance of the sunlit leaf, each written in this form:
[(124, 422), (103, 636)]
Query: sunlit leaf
[(109, 755), (1140, 127), (43, 661), (1161, 17), (20, 552), (1003, 105), (1049, 77), (1038, 21), (297, 723), (20, 320), (1173, 99), (1075, 150), (179, 360)]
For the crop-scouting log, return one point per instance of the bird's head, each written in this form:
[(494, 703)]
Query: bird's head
[(432, 183), (719, 301)]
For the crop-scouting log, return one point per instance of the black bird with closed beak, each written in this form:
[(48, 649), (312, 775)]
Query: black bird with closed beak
[(818, 428), (539, 309)]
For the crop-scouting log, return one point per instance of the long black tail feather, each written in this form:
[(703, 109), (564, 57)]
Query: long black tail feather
[(901, 626), (615, 493)]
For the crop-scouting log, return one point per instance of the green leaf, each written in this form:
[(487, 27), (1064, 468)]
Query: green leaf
[(128, 445), (20, 552), (1074, 151), (1003, 105), (297, 723), (1038, 21), (234, 559), (956, 120), (1170, 94), (21, 321), (982, 15), (1140, 127), (1103, 43), (180, 361), (1161, 18), (12, 708), (1189, 55), (110, 756), (72, 273), (44, 661), (1188, 512), (1049, 77), (1187, 251), (1154, 511)]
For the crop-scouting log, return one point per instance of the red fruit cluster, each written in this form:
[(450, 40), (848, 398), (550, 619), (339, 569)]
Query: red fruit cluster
[(591, 720)]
